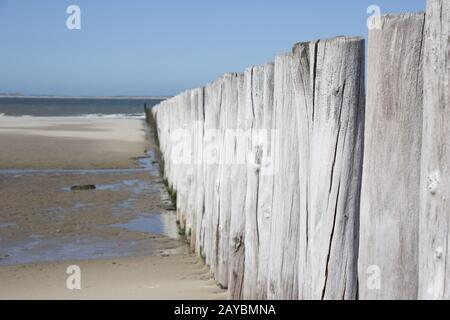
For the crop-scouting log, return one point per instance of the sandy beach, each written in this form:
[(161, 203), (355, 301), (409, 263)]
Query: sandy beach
[(70, 142), (122, 235), (179, 276)]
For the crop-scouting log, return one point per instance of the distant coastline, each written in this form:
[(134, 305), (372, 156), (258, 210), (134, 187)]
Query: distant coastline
[(119, 97), (78, 106)]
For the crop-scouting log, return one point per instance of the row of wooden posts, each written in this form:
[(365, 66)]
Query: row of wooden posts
[(290, 185)]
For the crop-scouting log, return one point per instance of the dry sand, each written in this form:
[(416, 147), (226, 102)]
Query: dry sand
[(27, 142), (45, 227), (179, 276)]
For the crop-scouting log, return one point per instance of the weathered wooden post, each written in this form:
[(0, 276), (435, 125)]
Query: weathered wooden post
[(254, 94), (283, 264), (434, 233), (267, 171), (185, 165), (213, 109), (195, 199), (199, 169), (253, 104), (237, 219), (258, 195), (329, 100), (390, 186), (226, 185)]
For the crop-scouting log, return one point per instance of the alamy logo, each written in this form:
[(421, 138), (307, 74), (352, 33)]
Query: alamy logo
[(73, 22), (373, 278), (374, 20), (73, 281), (227, 147)]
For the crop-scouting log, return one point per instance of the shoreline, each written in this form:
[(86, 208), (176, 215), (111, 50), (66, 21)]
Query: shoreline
[(129, 216), (86, 97)]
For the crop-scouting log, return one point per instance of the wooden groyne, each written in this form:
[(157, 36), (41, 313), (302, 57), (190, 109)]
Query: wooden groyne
[(267, 169), (290, 186)]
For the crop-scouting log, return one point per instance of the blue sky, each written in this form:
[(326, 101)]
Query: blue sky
[(155, 47)]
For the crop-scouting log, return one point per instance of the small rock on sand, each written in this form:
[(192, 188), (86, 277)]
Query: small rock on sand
[(83, 187)]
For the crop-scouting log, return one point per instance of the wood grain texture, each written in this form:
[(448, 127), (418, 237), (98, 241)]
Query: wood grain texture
[(283, 264), (264, 122), (434, 235), (237, 219), (253, 101), (330, 96), (258, 208), (196, 199), (390, 185), (213, 109), (226, 185)]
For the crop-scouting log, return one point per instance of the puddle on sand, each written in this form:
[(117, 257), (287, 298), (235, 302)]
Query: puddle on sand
[(80, 205), (147, 164), (154, 223), (56, 248), (7, 224), (37, 249), (135, 186), (128, 204), (53, 172)]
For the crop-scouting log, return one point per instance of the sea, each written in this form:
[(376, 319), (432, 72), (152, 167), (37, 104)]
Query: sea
[(77, 107)]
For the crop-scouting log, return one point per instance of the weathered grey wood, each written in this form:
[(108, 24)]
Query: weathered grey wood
[(237, 219), (190, 178), (258, 200), (329, 95), (226, 185), (211, 111), (254, 79), (434, 235), (304, 75), (390, 186), (184, 171), (213, 105), (283, 264), (195, 201), (199, 151), (264, 121), (215, 212), (290, 232)]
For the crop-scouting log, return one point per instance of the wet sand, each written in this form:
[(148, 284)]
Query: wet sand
[(122, 235)]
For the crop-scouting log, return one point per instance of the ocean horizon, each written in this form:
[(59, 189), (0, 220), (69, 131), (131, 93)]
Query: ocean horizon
[(89, 107)]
